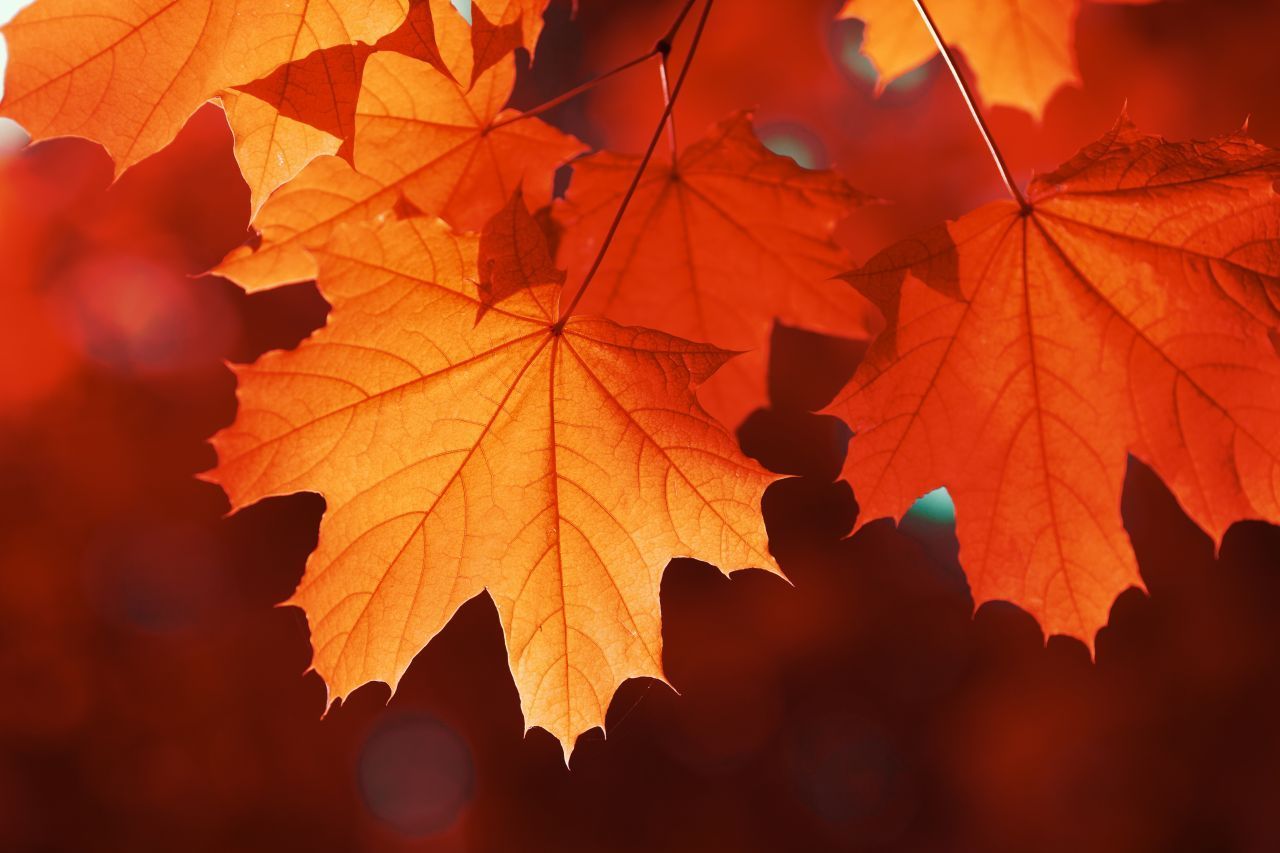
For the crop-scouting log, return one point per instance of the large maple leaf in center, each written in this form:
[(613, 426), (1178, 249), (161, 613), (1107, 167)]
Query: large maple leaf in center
[(1132, 309), (461, 450)]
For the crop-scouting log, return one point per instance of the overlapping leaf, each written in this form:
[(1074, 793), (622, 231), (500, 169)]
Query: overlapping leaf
[(558, 470), (1133, 309), (420, 138), (713, 249), (1021, 51), (514, 255), (491, 42), (524, 15), (129, 75), (306, 108)]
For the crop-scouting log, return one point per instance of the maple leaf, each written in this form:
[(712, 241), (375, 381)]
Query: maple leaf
[(491, 42), (1021, 51), (419, 131), (714, 248), (558, 470), (129, 75), (1129, 310), (270, 147), (306, 107), (513, 254), (525, 16), (299, 217), (419, 138)]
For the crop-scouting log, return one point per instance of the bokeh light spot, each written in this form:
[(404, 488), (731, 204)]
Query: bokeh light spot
[(416, 775), (12, 136), (136, 316), (846, 48), (936, 507), (795, 141)]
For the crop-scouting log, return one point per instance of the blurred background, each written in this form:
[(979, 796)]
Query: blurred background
[(155, 697)]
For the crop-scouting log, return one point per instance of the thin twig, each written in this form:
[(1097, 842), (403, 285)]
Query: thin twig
[(644, 161), (664, 43), (574, 92), (661, 48), (973, 108)]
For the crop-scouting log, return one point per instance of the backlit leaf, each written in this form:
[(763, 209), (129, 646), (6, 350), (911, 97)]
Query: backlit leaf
[(526, 15), (420, 138), (306, 108), (128, 75), (1129, 312), (558, 471), (1021, 51), (714, 249), (513, 254)]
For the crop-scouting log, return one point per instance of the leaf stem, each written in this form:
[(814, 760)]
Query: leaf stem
[(661, 48), (666, 99), (644, 162), (575, 91), (1005, 174)]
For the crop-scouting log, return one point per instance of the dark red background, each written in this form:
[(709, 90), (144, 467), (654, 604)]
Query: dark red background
[(154, 697)]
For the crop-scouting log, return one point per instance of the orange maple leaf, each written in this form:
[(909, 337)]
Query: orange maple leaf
[(1020, 51), (559, 470), (525, 16), (306, 107), (491, 42), (418, 137), (1129, 310), (300, 216), (513, 254), (129, 75), (714, 248)]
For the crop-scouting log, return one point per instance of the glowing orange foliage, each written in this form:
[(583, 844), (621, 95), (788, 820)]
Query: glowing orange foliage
[(468, 437), (558, 470), (526, 15), (1132, 310), (420, 132), (1020, 51), (513, 254), (714, 248), (306, 108), (129, 75), (420, 138), (491, 42), (300, 216)]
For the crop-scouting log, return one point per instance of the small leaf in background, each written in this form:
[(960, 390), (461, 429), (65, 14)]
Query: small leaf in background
[(1021, 52)]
